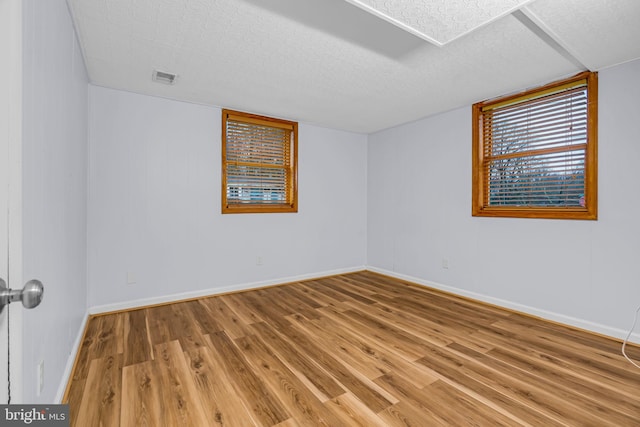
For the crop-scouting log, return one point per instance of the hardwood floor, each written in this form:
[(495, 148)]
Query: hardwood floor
[(358, 349)]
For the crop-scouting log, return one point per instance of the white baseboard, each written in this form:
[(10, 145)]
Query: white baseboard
[(544, 314), (66, 375), (128, 305), (560, 318)]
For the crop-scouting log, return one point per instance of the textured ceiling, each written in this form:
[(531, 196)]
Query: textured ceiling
[(439, 21), (330, 63)]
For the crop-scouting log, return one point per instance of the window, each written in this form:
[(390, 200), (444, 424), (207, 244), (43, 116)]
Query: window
[(535, 153), (259, 164)]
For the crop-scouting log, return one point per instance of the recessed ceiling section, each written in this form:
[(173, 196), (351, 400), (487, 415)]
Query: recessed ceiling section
[(332, 64), (601, 33), (439, 21)]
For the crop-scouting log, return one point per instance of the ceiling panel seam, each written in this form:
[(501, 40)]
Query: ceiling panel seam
[(529, 20)]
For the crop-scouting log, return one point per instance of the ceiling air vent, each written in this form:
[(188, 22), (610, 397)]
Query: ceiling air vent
[(162, 77)]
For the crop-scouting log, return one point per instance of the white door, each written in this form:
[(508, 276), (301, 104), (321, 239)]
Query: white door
[(10, 187)]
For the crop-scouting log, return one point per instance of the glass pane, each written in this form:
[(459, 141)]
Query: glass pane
[(549, 180), (256, 185)]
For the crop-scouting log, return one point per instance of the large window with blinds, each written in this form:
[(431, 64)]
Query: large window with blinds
[(535, 153), (259, 164)]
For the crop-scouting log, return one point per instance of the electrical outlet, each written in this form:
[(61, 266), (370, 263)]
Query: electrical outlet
[(259, 260), (40, 376), (131, 278), (445, 263)]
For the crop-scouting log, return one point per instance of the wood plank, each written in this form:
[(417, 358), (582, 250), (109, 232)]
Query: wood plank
[(491, 388), (226, 318), (373, 333), (304, 366), (288, 423), (403, 414), (382, 357), (364, 390), (352, 412), (543, 401), (101, 406), (103, 338), (339, 345), (296, 290), (159, 319), (267, 308), (137, 346), (439, 316), (468, 410), (434, 401), (561, 378), (414, 405), (320, 285), (178, 395), (589, 407), (334, 285), (398, 337), (603, 359), (297, 302), (201, 314), (304, 406), (222, 404), (141, 397), (417, 326), (321, 298), (266, 407), (73, 398), (372, 287), (247, 314), (573, 362), (185, 327)]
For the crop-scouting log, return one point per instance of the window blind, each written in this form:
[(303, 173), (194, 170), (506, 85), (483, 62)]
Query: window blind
[(258, 163), (535, 150)]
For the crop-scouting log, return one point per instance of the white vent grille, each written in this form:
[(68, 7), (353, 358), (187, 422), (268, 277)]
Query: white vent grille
[(164, 77)]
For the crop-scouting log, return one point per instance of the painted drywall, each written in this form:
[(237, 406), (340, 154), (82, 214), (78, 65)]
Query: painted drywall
[(578, 272), (54, 190), (155, 222)]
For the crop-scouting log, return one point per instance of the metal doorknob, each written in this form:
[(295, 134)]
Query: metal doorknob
[(30, 295)]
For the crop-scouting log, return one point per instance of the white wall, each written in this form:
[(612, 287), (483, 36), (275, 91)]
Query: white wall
[(54, 184), (154, 205), (154, 212), (578, 272)]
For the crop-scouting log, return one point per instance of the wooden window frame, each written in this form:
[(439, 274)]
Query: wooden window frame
[(480, 175), (291, 170)]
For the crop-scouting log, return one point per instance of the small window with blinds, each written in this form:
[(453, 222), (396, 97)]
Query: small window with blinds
[(534, 153), (259, 164)]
